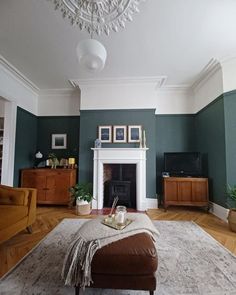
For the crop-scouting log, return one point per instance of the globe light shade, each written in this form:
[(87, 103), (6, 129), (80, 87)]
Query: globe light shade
[(91, 55)]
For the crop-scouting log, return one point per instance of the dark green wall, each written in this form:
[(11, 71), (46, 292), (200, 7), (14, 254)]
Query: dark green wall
[(230, 136), (90, 120), (26, 141), (59, 125), (210, 131), (174, 133)]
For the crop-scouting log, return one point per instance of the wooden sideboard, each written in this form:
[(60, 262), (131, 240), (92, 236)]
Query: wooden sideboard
[(185, 191), (52, 184)]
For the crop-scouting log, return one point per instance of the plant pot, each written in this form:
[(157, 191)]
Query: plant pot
[(83, 208), (232, 219)]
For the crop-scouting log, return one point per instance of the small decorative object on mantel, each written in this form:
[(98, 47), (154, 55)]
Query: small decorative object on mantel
[(144, 139), (97, 143), (141, 142)]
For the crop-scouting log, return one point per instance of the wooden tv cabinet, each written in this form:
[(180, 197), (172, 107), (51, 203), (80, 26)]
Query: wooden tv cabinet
[(185, 191), (52, 184)]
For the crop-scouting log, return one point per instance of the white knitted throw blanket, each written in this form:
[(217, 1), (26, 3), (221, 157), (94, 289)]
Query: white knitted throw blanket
[(92, 236)]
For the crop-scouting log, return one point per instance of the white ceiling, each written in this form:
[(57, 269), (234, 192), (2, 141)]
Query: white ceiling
[(176, 38)]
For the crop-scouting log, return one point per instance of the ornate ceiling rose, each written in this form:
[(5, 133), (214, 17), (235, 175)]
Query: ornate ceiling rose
[(99, 16)]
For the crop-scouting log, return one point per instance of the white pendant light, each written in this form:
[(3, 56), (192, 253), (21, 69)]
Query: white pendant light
[(91, 55)]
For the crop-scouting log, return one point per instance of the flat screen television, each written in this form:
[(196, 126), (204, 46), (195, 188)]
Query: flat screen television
[(183, 164)]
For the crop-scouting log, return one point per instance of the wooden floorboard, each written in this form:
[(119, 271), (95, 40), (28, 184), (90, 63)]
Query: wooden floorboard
[(13, 250)]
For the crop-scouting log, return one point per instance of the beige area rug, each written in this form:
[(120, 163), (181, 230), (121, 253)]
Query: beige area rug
[(190, 262)]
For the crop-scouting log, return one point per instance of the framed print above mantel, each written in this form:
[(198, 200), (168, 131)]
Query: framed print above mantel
[(134, 133), (105, 133), (120, 134)]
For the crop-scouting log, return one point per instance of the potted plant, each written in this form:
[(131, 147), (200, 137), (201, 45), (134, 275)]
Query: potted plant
[(231, 202), (53, 160), (82, 194)]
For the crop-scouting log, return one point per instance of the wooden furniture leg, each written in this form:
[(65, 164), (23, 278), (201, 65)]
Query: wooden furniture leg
[(29, 229)]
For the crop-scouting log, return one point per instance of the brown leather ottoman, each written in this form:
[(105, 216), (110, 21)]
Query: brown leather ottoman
[(130, 263)]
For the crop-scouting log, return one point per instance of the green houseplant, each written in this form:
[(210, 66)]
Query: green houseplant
[(53, 160), (231, 202), (82, 194)]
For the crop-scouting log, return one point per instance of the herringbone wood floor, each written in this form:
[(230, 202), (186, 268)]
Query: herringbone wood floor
[(14, 249)]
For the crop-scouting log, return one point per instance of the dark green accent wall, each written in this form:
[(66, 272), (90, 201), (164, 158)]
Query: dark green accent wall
[(26, 142), (59, 125), (230, 136), (210, 131), (174, 133), (90, 120)]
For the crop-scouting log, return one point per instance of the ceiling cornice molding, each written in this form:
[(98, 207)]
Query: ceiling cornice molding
[(7, 66), (176, 88), (207, 72), (227, 58), (158, 81), (57, 92)]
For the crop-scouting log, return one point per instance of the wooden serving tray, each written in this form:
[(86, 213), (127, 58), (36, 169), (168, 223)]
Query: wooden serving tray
[(114, 225)]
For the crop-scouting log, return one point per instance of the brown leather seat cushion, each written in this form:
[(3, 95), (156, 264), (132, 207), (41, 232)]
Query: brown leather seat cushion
[(135, 255)]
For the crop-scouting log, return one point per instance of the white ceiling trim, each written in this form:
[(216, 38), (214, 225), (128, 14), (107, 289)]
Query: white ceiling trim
[(176, 88), (21, 78), (159, 81), (207, 72), (57, 92)]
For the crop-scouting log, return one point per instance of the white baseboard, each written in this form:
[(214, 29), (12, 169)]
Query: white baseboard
[(219, 211), (151, 203)]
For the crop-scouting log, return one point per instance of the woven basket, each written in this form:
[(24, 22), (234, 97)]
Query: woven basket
[(83, 209), (232, 219)]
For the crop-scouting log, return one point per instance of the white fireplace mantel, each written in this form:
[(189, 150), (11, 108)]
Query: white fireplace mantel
[(120, 156)]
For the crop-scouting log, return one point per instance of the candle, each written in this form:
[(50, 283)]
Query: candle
[(120, 217), (144, 139)]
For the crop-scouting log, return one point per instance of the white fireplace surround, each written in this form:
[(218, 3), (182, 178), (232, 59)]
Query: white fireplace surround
[(121, 156)]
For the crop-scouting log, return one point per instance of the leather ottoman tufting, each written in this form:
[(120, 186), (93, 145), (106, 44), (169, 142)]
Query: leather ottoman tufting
[(129, 263)]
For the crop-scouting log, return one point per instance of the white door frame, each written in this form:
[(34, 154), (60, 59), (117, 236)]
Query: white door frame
[(9, 136)]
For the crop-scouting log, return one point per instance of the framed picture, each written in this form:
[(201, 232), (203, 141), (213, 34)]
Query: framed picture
[(119, 133), (105, 133), (59, 141), (134, 133)]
